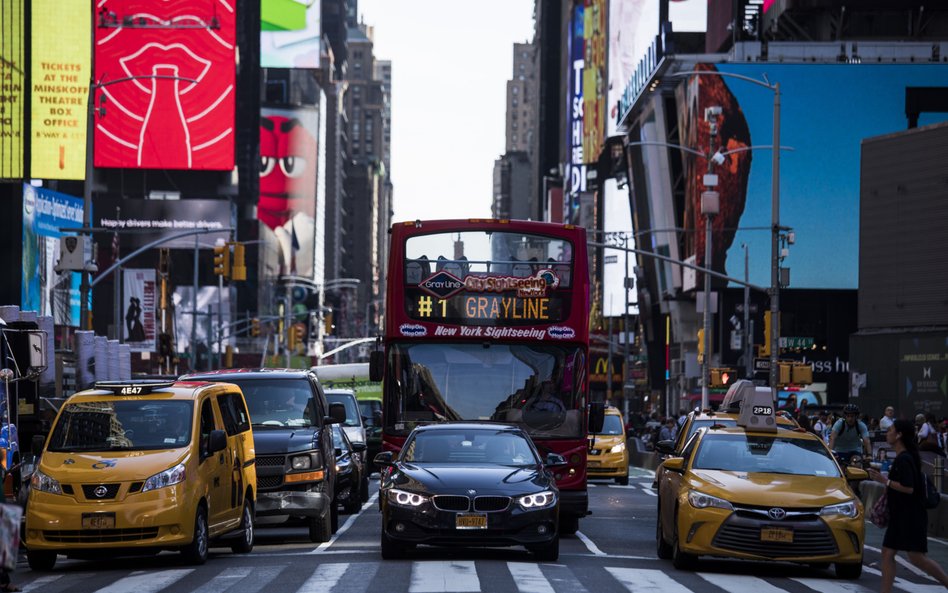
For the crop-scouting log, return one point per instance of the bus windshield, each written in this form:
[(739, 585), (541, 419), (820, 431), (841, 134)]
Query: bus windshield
[(538, 386)]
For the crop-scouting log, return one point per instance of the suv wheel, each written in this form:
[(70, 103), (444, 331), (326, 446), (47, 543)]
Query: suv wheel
[(41, 560), (364, 488), (320, 529), (196, 551), (245, 545)]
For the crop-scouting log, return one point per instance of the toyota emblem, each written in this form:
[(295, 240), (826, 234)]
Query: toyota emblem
[(777, 514), (101, 491)]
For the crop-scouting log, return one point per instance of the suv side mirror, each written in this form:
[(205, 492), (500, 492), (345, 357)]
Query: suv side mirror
[(666, 447), (384, 459), (36, 446), (358, 447), (554, 460), (675, 464), (597, 417), (337, 413), (376, 365), (217, 442)]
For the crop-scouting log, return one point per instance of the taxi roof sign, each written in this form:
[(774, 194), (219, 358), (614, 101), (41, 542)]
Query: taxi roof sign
[(134, 387), (757, 407)]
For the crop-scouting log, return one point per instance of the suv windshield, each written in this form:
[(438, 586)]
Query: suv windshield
[(278, 403), (612, 425), (353, 418), (128, 425), (765, 454), (470, 446)]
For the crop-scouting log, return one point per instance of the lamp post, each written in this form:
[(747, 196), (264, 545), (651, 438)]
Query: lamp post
[(710, 206)]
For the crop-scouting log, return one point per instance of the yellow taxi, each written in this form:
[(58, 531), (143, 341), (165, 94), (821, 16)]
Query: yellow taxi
[(607, 456), (757, 491), (132, 467)]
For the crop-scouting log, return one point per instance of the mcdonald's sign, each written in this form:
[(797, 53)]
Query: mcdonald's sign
[(599, 371)]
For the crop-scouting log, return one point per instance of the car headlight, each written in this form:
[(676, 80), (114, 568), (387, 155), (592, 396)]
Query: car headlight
[(846, 509), (44, 483), (537, 501), (301, 462), (618, 448), (700, 500), (406, 499), (169, 477)]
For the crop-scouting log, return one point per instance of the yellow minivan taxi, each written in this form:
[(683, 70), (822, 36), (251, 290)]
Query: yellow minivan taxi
[(607, 456), (139, 466)]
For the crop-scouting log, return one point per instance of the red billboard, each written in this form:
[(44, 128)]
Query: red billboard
[(165, 76)]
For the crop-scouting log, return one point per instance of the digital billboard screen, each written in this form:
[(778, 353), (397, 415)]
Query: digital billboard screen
[(175, 110), (827, 110), (289, 33), (12, 46)]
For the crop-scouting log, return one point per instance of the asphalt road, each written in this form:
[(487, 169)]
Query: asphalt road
[(614, 551)]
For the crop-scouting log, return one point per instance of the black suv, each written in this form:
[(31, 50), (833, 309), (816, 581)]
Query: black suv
[(292, 435)]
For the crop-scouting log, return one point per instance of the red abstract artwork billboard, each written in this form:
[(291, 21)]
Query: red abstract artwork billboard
[(164, 71)]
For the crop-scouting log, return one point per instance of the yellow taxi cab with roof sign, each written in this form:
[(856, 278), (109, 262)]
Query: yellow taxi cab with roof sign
[(136, 466), (608, 456), (759, 491)]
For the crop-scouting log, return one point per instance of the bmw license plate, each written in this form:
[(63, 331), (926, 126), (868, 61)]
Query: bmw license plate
[(471, 521), (776, 534), (98, 520)]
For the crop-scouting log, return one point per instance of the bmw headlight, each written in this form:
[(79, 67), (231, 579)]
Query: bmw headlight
[(406, 499), (618, 448), (301, 462), (44, 483), (169, 477), (846, 509), (700, 500), (537, 501)]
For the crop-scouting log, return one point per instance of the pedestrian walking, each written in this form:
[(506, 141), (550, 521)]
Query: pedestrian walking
[(5, 584), (908, 519), (927, 433)]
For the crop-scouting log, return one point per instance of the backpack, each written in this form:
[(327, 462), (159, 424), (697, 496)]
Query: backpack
[(932, 496)]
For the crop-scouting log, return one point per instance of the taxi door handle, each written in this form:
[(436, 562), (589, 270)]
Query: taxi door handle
[(221, 458)]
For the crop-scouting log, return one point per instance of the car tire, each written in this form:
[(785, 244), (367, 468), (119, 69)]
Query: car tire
[(391, 550), (662, 548), (320, 529), (41, 560), (196, 552), (354, 504), (681, 560), (245, 544), (334, 518), (569, 524), (623, 480), (548, 552), (848, 571), (364, 489)]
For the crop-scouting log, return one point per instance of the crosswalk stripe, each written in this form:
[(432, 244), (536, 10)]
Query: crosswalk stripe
[(40, 582), (640, 580), (648, 490), (324, 578), (529, 578), (149, 582), (901, 583), (225, 580), (737, 582), (433, 577), (589, 544), (828, 586)]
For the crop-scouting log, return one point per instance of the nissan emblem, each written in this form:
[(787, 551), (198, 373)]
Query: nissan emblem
[(101, 491)]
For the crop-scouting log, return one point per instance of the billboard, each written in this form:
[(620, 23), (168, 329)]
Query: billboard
[(139, 300), (575, 168), (156, 219), (177, 109), (633, 26), (827, 110), (292, 187), (594, 78), (617, 226), (12, 44), (43, 290), (60, 73), (289, 33)]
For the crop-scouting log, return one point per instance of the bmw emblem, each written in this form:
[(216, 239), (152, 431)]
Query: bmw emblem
[(101, 491), (777, 514), (472, 492)]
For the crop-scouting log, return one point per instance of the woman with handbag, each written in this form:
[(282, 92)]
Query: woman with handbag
[(908, 519)]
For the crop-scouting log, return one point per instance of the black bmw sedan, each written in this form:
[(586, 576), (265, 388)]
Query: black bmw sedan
[(469, 484)]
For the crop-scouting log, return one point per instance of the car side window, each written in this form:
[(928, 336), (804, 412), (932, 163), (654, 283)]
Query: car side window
[(234, 413), (689, 447), (322, 408), (207, 425)]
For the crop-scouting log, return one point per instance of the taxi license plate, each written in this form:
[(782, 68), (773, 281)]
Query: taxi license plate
[(593, 463), (98, 520), (471, 521), (776, 534)]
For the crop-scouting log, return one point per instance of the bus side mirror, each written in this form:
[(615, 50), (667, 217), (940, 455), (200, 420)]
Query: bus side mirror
[(376, 365), (597, 416), (36, 446)]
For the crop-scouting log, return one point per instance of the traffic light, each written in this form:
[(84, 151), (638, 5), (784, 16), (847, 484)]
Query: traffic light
[(801, 373), (723, 377), (222, 259), (255, 327), (297, 335), (764, 350), (239, 269), (785, 372), (327, 323), (701, 346)]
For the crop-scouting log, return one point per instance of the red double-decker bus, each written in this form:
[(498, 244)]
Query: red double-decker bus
[(489, 320)]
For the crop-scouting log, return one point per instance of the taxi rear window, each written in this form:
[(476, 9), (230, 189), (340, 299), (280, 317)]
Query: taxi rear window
[(130, 425)]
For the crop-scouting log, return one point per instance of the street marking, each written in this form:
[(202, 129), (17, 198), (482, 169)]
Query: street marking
[(433, 577), (590, 485), (345, 526), (40, 582), (912, 568), (640, 580), (589, 544), (225, 580), (324, 578), (648, 490), (529, 578), (901, 583), (736, 582), (149, 582), (828, 586)]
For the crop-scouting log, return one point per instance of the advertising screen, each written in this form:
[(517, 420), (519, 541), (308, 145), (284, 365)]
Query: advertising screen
[(45, 291), (12, 44), (175, 110), (594, 78), (139, 300), (633, 25), (289, 33), (157, 219), (575, 169), (60, 72), (617, 225), (826, 112)]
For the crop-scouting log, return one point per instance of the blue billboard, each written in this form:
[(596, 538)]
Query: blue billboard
[(43, 290)]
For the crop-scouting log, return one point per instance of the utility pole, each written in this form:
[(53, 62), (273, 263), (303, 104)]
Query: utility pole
[(710, 206)]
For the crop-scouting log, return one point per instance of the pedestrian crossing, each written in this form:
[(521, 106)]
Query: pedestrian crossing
[(445, 576), (645, 487)]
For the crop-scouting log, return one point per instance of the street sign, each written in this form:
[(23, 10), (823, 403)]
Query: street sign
[(610, 259), (739, 308), (796, 342), (761, 364)]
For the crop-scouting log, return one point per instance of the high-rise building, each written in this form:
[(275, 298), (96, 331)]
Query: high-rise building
[(513, 195), (520, 97)]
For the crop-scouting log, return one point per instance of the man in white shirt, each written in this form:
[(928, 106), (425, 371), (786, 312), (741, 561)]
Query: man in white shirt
[(886, 421)]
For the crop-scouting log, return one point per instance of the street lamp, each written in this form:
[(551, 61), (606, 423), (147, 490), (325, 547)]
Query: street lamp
[(710, 206)]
